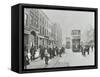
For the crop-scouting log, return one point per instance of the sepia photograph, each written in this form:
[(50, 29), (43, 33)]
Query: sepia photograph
[(58, 38)]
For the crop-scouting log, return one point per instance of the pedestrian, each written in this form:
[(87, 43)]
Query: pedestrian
[(84, 51), (34, 51), (42, 50), (81, 49), (49, 51), (37, 54), (56, 50), (63, 50), (60, 53), (26, 59), (92, 47), (46, 55), (88, 47), (31, 52)]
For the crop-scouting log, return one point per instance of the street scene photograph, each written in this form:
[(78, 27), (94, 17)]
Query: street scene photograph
[(58, 38)]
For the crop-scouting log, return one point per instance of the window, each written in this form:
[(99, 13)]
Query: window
[(26, 19), (32, 21), (31, 18)]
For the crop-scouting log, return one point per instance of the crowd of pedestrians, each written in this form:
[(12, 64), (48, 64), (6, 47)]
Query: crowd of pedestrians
[(49, 52), (86, 49), (45, 53)]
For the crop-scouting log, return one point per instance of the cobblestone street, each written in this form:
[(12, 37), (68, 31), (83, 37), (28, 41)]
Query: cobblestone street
[(69, 58)]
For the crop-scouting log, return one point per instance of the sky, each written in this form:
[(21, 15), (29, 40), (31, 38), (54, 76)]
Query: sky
[(70, 20)]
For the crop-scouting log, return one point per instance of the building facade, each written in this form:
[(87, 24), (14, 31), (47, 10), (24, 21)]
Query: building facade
[(31, 28), (59, 36), (39, 30), (43, 28), (90, 37)]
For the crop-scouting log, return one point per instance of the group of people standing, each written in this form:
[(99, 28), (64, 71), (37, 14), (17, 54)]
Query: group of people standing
[(45, 53), (50, 52), (86, 49)]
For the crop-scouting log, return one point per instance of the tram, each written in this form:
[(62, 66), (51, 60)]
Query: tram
[(75, 40)]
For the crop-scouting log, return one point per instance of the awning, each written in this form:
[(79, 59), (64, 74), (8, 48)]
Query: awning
[(41, 36)]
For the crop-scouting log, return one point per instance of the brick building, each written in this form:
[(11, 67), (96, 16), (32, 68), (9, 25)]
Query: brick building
[(39, 30)]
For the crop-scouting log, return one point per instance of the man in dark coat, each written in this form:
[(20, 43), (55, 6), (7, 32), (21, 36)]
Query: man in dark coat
[(60, 52), (53, 52), (42, 50), (56, 49), (49, 51), (63, 50), (81, 49), (31, 52), (46, 55), (88, 49)]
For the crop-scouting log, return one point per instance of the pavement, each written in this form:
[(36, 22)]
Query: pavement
[(69, 58)]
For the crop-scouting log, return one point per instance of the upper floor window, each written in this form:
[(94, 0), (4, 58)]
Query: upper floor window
[(25, 19), (31, 19)]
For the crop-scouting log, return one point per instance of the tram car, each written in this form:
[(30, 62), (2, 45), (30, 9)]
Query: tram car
[(75, 45), (76, 40)]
